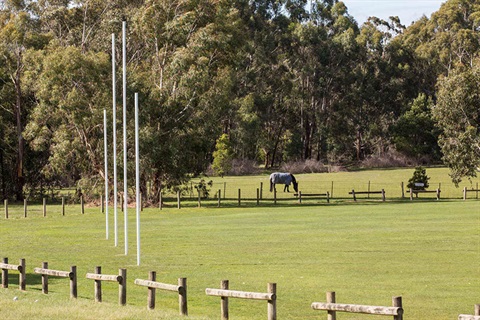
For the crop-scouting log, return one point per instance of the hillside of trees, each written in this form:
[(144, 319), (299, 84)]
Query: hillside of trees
[(276, 81)]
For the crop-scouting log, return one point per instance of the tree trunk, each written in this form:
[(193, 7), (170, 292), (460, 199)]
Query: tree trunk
[(20, 179)]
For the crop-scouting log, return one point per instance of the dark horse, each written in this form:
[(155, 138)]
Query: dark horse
[(285, 178)]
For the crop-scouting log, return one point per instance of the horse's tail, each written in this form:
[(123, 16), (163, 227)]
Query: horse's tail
[(271, 185)]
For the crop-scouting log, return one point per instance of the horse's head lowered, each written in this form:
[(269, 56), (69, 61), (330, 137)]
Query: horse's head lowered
[(295, 183)]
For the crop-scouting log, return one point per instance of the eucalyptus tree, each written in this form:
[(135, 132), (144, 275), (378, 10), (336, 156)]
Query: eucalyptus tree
[(458, 117), (72, 89), (19, 32)]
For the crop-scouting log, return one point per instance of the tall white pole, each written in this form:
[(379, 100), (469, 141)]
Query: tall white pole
[(137, 178), (114, 142), (125, 189), (106, 170)]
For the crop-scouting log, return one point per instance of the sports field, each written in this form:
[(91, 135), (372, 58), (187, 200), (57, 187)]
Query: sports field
[(426, 251)]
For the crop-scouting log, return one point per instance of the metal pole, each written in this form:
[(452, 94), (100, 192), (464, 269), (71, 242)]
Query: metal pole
[(137, 178), (125, 187), (114, 142), (106, 170)]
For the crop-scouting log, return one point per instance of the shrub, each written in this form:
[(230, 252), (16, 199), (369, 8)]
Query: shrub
[(419, 181)]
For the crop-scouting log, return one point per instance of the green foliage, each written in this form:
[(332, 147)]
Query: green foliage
[(415, 133), (419, 180), (457, 115), (286, 81), (203, 188), (222, 156)]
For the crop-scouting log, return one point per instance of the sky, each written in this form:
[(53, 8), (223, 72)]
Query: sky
[(407, 10)]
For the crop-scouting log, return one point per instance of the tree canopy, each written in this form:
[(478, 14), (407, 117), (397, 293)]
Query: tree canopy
[(283, 80)]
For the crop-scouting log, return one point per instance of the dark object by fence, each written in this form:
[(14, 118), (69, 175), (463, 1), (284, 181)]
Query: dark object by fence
[(225, 293), (121, 279), (181, 288), (45, 272), (355, 193), (416, 192), (5, 266), (396, 311), (471, 317)]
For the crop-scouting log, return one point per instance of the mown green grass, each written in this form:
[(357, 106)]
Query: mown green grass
[(369, 251)]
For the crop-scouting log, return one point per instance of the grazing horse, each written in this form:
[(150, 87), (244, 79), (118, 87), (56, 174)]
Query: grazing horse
[(285, 178)]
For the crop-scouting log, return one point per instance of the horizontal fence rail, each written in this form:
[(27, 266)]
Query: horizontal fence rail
[(332, 307), (224, 293), (21, 268), (121, 279), (45, 272), (152, 284), (471, 317)]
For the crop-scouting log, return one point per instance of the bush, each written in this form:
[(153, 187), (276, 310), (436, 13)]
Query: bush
[(419, 181)]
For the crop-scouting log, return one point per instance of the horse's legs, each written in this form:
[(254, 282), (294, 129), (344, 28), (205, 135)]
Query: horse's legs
[(286, 188)]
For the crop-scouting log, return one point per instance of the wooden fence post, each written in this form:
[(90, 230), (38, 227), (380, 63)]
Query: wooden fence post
[(332, 315), (411, 194), (383, 195), (5, 275), (258, 196), (274, 195), (261, 190), (101, 204), (81, 204), (239, 196), (328, 197), (224, 302), (152, 276), (6, 208), (73, 282), (44, 207), (464, 193), (397, 302), (300, 197), (98, 285), (122, 288), (219, 197), (45, 279), (160, 200), (63, 206), (272, 304), (178, 199), (477, 308), (25, 208), (438, 194), (403, 190), (182, 296), (22, 279), (353, 194)]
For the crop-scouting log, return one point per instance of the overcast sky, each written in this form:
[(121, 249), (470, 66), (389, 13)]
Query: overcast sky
[(407, 10)]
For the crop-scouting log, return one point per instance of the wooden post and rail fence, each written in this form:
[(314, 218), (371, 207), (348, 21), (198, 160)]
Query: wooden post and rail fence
[(45, 272), (476, 315), (21, 268), (332, 308), (152, 285), (121, 279), (224, 293)]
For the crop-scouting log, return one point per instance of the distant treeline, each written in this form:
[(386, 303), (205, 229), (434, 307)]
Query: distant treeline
[(284, 81)]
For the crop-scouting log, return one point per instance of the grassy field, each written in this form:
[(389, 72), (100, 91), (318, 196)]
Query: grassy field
[(369, 251)]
